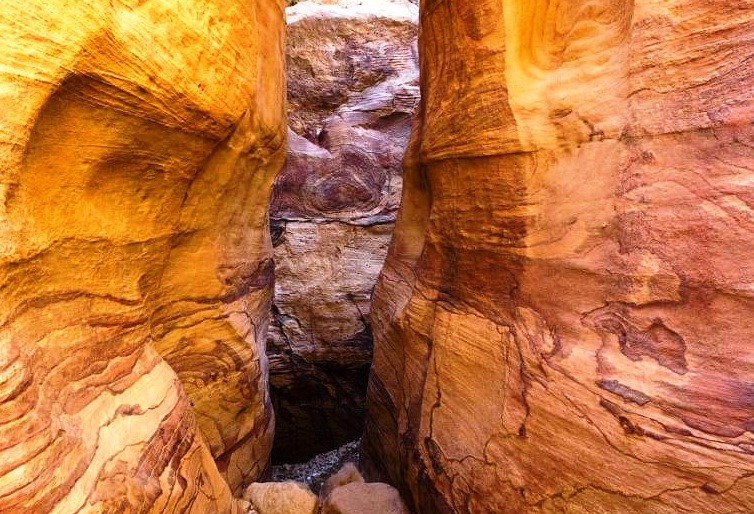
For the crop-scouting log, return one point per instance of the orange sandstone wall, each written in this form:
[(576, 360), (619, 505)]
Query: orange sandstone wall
[(564, 320), (138, 144)]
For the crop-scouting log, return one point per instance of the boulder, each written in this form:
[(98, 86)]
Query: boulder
[(563, 321), (138, 145), (363, 498), (281, 498)]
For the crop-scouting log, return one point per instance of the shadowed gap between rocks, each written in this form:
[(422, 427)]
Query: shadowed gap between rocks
[(352, 91)]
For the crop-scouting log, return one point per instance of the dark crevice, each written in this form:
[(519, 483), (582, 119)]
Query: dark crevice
[(319, 405)]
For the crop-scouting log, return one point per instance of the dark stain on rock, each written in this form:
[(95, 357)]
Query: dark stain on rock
[(435, 455), (662, 344), (628, 427), (246, 277), (709, 488), (657, 341), (610, 407), (625, 392)]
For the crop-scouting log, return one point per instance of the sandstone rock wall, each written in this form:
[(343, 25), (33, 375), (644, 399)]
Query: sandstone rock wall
[(563, 322), (352, 89), (138, 144)]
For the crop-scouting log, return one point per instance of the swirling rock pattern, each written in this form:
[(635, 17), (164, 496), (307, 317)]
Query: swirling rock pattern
[(563, 322), (138, 142), (353, 86)]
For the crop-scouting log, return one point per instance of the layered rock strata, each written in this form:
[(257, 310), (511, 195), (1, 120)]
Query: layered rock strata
[(138, 142), (352, 88), (562, 324)]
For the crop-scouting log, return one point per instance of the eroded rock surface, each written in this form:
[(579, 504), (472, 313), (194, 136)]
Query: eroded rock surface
[(363, 498), (352, 88), (282, 498), (563, 322), (139, 141)]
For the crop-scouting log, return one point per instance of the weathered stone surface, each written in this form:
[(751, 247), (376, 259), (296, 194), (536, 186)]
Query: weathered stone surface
[(362, 498), (353, 86), (138, 144), (352, 58), (563, 322), (281, 498)]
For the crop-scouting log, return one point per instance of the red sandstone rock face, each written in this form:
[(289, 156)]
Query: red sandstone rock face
[(353, 86), (562, 324), (138, 143)]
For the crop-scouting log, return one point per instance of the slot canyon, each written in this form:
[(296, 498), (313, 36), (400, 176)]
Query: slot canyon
[(197, 197), (353, 85)]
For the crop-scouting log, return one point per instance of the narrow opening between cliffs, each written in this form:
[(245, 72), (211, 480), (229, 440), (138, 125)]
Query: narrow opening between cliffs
[(352, 89)]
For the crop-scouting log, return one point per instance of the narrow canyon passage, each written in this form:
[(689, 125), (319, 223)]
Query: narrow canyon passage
[(562, 324), (352, 90)]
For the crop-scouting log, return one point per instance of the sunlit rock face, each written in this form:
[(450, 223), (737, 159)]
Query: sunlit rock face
[(138, 141), (564, 320), (352, 88)]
